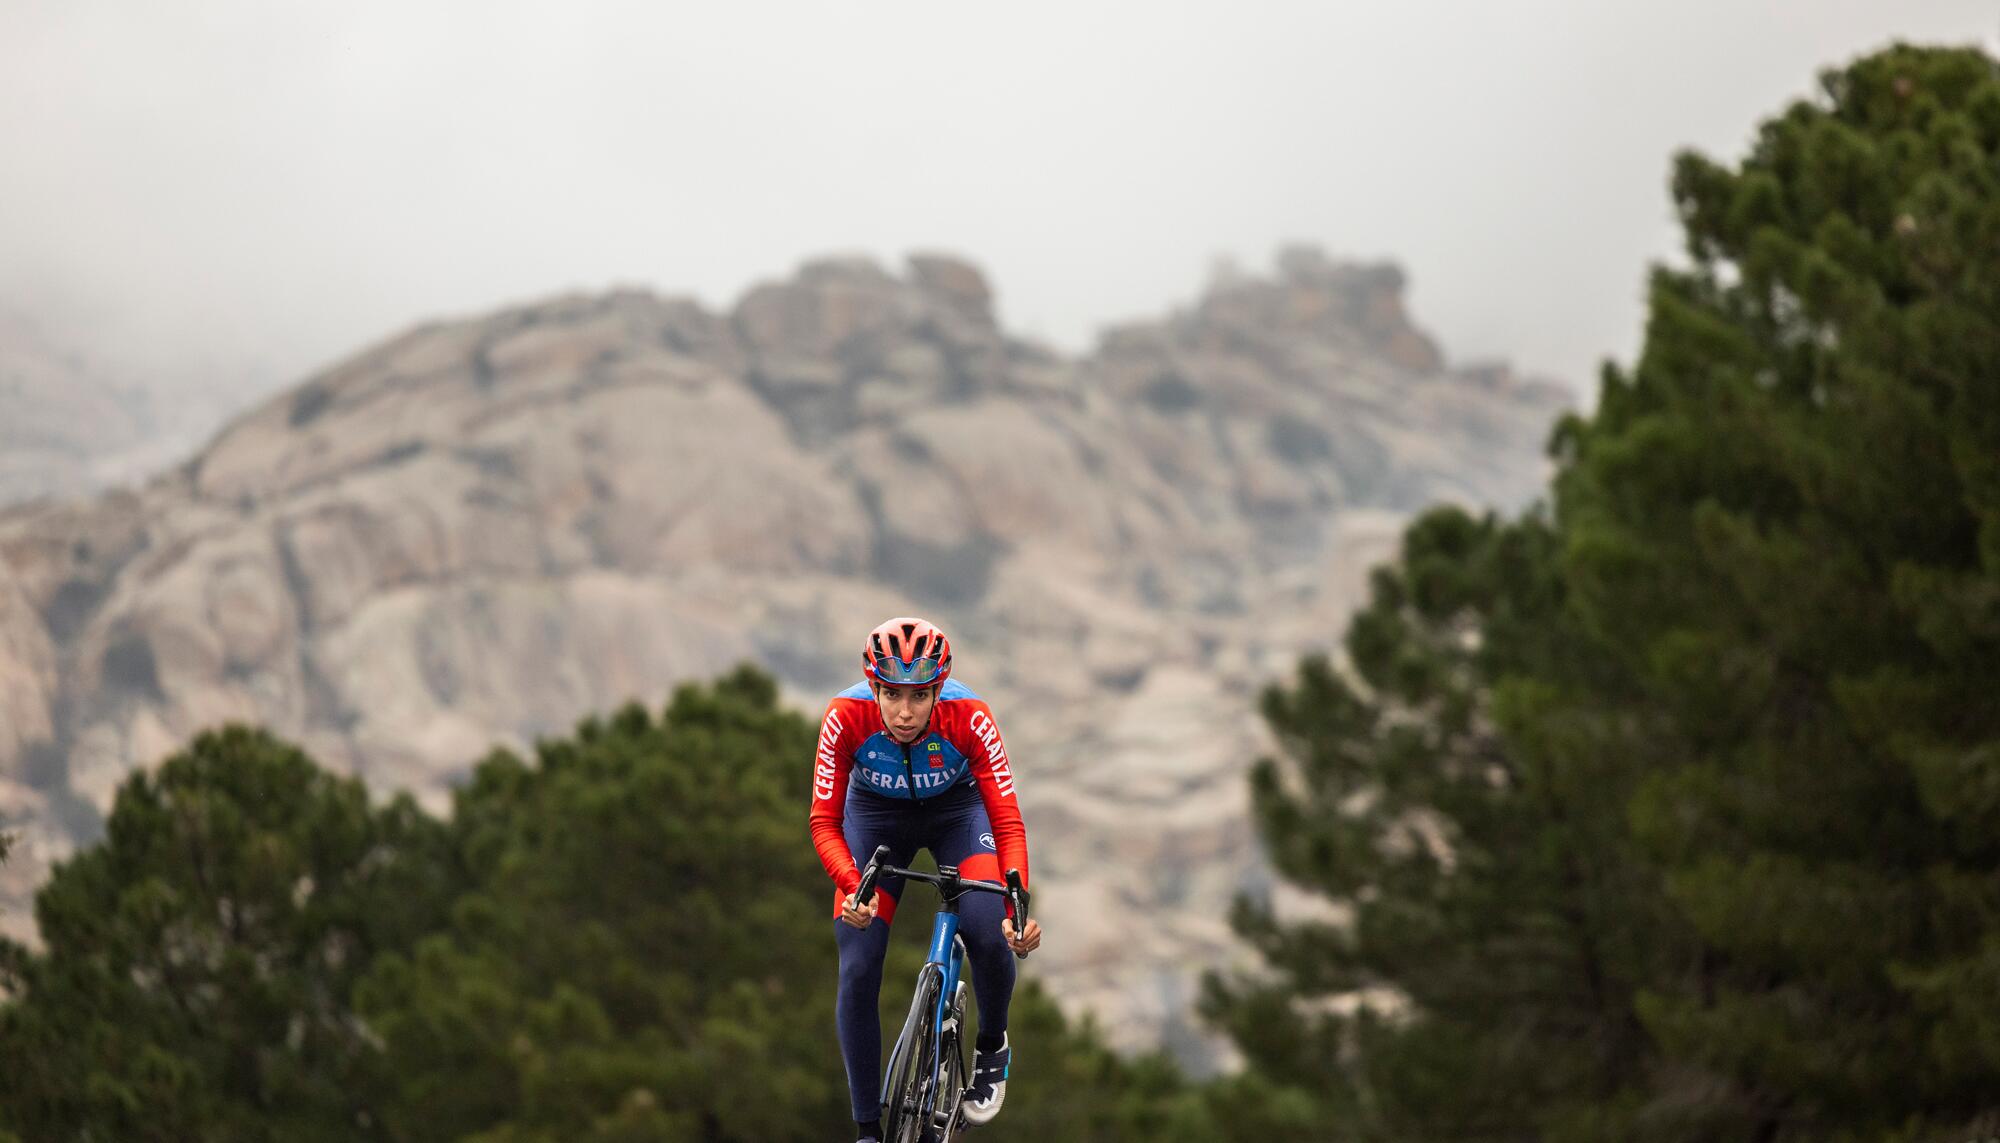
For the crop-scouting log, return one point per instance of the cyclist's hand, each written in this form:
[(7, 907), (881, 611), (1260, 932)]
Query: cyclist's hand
[(1028, 941), (859, 915)]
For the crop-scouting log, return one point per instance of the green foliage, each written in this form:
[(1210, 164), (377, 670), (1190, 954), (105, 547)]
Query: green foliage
[(645, 950), (625, 940), (199, 960), (1067, 1085), (1673, 813), (1458, 805), (1787, 522)]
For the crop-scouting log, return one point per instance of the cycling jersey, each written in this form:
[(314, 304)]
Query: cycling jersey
[(962, 747)]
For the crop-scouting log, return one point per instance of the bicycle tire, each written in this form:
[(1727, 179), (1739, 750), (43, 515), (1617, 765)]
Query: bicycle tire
[(946, 1123), (909, 1071)]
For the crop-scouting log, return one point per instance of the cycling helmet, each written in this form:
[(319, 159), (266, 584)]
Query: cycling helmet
[(907, 652)]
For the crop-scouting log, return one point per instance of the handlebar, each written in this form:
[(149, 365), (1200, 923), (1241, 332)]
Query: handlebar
[(950, 884)]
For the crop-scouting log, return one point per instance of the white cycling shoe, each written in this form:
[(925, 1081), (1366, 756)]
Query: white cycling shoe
[(989, 1084)]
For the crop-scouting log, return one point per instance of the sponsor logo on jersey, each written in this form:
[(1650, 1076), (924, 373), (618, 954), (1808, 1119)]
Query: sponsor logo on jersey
[(986, 839), (824, 768), (883, 780), (892, 783), (996, 751)]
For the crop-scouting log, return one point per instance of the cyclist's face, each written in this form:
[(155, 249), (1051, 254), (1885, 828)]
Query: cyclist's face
[(906, 711)]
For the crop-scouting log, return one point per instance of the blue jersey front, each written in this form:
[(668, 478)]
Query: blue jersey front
[(924, 768)]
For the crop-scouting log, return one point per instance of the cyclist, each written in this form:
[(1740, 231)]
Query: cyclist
[(932, 774)]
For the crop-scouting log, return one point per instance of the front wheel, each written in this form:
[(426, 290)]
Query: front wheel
[(909, 1071), (945, 1123)]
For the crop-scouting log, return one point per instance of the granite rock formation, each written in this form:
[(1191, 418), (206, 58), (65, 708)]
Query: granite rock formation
[(482, 529)]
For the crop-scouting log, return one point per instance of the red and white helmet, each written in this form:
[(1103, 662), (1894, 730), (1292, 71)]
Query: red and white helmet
[(907, 652)]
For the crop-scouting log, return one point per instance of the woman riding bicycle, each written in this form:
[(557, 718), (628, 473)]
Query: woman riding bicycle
[(933, 774)]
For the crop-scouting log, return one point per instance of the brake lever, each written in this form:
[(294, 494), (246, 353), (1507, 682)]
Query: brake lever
[(1017, 898), (871, 875)]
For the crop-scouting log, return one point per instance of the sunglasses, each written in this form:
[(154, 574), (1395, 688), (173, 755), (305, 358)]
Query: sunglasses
[(915, 673)]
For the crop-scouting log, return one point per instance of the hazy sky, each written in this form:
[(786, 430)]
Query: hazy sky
[(265, 186)]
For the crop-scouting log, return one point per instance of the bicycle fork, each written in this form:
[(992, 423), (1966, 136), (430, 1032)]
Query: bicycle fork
[(948, 954)]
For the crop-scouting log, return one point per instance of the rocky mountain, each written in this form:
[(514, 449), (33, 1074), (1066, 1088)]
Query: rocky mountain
[(483, 529)]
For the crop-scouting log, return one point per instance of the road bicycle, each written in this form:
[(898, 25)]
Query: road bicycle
[(923, 1086)]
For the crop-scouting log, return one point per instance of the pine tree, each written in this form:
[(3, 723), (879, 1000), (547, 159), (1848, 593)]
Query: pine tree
[(1786, 522), (644, 953), (1454, 800), (198, 961), (1737, 704)]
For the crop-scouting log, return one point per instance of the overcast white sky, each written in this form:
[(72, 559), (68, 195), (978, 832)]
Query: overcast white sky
[(266, 186)]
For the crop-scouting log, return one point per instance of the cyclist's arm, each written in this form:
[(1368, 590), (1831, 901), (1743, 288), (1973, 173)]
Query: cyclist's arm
[(995, 774), (832, 765)]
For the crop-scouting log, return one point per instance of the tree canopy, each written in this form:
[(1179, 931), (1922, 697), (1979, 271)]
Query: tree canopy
[(197, 963), (623, 938), (1672, 810)]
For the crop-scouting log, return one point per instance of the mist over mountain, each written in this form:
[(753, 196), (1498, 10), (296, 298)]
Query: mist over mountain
[(62, 424), (72, 425), (482, 529)]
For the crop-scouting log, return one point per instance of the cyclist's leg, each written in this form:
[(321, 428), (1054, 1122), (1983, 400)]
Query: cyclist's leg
[(858, 1015), (964, 837), (857, 1011)]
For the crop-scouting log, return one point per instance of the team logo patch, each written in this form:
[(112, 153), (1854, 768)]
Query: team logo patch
[(986, 839), (935, 747)]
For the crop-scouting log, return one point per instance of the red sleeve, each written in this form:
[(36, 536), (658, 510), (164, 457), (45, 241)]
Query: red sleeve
[(987, 752), (831, 767)]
